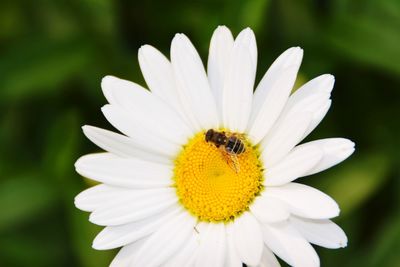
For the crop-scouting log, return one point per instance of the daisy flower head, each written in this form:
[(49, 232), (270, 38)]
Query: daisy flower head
[(203, 172)]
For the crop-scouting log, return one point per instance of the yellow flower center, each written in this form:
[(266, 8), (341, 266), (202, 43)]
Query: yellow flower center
[(214, 185)]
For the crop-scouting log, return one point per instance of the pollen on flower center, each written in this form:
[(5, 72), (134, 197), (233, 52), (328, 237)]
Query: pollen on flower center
[(214, 186)]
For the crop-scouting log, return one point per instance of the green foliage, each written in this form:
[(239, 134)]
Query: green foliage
[(23, 197), (40, 66), (53, 55), (353, 183)]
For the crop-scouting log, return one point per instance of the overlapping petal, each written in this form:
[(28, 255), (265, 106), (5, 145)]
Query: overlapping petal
[(134, 207), (289, 245), (238, 86), (272, 93), (159, 76), (117, 236), (296, 164), (334, 150), (283, 137), (324, 233), (247, 238), (124, 146), (212, 246), (305, 201), (94, 197), (136, 101), (313, 97), (127, 254), (232, 257), (186, 256), (158, 248), (268, 259), (192, 83), (269, 209)]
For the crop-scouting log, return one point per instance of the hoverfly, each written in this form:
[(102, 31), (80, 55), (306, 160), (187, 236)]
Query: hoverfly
[(232, 144)]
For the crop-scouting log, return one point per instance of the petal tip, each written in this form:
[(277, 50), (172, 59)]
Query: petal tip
[(222, 28), (105, 108), (85, 128), (300, 52), (146, 49), (106, 80), (347, 147), (97, 245), (246, 35), (77, 200), (93, 218), (179, 36), (336, 211)]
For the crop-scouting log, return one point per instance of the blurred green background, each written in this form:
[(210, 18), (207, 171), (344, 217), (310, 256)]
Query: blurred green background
[(53, 55)]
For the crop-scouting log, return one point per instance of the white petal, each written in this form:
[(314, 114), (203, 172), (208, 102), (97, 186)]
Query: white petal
[(123, 146), (125, 172), (321, 85), (309, 97), (140, 130), (318, 116), (194, 91), (212, 246), (335, 150), (139, 103), (269, 209), (283, 137), (94, 197), (323, 233), (232, 257), (289, 245), (218, 62), (238, 86), (272, 93), (170, 238), (98, 199), (305, 201), (248, 239), (126, 254), (186, 254), (133, 97), (159, 76), (316, 104), (121, 235), (133, 207), (268, 259), (247, 38), (296, 164)]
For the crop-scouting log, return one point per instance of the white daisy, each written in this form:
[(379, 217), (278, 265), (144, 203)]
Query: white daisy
[(170, 198)]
